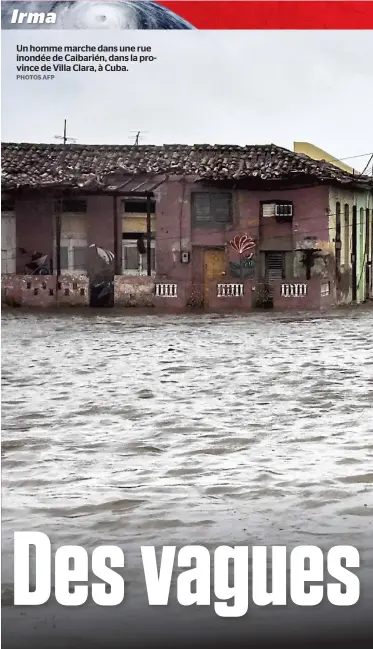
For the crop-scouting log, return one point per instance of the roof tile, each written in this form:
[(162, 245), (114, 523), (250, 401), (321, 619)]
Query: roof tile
[(49, 165)]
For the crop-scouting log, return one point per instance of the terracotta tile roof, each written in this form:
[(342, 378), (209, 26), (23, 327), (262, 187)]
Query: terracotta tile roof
[(77, 165)]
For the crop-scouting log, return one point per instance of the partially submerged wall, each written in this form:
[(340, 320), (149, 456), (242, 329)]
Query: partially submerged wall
[(44, 291), (134, 291)]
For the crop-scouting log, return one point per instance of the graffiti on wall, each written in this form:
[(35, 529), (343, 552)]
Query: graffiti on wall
[(315, 256), (245, 268)]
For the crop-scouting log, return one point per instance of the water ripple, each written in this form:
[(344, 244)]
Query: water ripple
[(138, 429)]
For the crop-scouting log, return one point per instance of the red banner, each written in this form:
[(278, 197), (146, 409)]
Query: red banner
[(266, 14)]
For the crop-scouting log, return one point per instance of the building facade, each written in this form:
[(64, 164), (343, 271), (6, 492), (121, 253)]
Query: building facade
[(349, 211), (209, 227)]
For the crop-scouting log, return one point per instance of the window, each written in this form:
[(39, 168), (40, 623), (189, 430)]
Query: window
[(275, 265), (211, 208), (281, 210), (8, 242), (346, 243), (64, 258), (79, 254), (71, 205), (337, 239), (337, 221), (133, 263), (73, 256), (138, 207), (361, 235), (367, 238)]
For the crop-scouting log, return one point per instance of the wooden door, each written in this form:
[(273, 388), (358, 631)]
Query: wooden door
[(214, 267)]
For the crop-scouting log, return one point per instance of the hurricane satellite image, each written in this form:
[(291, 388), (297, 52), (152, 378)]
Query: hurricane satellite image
[(89, 14)]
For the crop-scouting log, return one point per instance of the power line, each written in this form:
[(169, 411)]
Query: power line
[(351, 157), (366, 167)]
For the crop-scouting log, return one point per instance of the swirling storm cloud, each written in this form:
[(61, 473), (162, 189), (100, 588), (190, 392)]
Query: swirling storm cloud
[(89, 14)]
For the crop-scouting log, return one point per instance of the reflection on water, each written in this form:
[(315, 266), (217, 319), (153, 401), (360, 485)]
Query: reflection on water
[(130, 430)]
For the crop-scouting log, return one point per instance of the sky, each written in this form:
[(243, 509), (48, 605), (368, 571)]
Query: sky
[(252, 87)]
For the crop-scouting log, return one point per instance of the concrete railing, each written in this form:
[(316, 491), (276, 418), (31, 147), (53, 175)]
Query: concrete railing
[(293, 290), (229, 290), (166, 290)]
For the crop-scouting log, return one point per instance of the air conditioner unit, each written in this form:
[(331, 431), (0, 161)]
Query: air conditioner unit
[(268, 210), (284, 210)]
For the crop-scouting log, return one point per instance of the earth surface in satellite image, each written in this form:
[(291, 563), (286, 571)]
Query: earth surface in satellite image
[(89, 14)]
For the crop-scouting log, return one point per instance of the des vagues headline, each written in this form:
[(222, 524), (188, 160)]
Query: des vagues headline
[(303, 575)]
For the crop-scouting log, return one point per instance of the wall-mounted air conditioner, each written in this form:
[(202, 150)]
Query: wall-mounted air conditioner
[(284, 210)]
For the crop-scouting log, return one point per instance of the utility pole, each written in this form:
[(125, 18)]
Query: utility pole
[(65, 140)]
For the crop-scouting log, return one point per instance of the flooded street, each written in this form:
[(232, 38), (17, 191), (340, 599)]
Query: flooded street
[(198, 429)]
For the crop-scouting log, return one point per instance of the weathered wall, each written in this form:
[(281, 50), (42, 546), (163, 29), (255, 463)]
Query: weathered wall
[(174, 234), (363, 201), (133, 291), (44, 290), (36, 225), (317, 293), (145, 292), (34, 228), (222, 301)]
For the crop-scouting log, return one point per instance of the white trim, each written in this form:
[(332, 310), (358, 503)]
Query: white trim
[(8, 242), (141, 270), (293, 290), (70, 244), (166, 290), (230, 290)]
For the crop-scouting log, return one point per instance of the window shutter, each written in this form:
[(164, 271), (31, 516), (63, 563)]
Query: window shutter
[(275, 265), (64, 257), (131, 258), (221, 207), (80, 257), (202, 207)]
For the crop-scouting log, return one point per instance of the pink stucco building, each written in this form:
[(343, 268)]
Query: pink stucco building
[(214, 227)]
